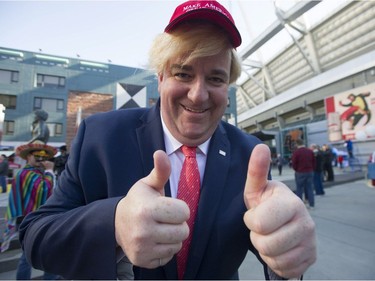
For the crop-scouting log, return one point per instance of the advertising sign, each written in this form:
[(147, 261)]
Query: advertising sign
[(351, 114)]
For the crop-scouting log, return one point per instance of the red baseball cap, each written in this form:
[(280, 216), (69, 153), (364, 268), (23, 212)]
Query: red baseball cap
[(211, 11)]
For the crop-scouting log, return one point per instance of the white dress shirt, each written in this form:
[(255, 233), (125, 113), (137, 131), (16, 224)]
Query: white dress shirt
[(172, 147)]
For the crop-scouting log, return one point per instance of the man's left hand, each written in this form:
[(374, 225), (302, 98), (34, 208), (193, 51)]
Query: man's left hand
[(282, 230)]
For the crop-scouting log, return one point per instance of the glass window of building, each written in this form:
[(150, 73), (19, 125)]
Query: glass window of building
[(8, 128), (8, 101), (55, 129), (49, 105), (50, 81), (8, 76)]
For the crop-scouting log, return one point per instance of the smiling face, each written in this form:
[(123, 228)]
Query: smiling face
[(195, 64), (194, 96)]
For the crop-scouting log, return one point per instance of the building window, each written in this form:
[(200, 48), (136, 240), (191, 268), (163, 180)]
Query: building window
[(8, 127), (8, 76), (49, 105), (8, 101), (55, 129), (49, 81)]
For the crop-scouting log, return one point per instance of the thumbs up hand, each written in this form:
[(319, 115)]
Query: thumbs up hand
[(281, 228), (149, 227)]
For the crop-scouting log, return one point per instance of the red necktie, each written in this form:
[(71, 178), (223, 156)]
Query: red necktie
[(188, 191)]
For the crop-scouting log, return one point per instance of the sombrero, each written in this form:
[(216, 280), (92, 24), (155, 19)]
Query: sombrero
[(25, 149)]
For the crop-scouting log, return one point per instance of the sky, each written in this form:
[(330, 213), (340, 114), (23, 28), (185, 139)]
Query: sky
[(121, 32)]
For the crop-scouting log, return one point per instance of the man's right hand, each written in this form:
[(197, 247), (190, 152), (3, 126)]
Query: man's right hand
[(150, 227)]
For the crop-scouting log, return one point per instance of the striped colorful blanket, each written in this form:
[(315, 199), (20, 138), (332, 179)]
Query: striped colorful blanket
[(30, 189)]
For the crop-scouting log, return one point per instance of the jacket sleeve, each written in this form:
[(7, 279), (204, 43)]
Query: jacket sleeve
[(69, 236)]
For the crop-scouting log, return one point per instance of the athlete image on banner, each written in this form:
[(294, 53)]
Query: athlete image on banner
[(350, 114)]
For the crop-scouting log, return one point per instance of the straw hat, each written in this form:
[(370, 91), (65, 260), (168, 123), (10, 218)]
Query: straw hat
[(25, 149)]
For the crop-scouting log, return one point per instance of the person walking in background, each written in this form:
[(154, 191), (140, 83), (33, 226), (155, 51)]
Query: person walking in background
[(31, 187), (4, 168), (327, 163), (349, 148), (173, 188), (318, 170), (280, 163), (303, 163), (371, 169), (60, 161), (340, 161)]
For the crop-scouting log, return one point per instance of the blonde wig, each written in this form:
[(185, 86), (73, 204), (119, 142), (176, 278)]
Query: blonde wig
[(191, 41)]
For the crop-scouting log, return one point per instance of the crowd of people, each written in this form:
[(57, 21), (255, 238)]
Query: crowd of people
[(327, 159), (31, 185), (30, 188), (314, 165)]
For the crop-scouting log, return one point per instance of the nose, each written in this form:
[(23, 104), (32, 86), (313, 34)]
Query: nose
[(199, 90)]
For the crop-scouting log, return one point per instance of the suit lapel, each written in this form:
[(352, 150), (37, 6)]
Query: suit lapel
[(150, 138), (213, 184)]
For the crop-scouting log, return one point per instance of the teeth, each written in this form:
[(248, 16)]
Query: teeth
[(194, 110)]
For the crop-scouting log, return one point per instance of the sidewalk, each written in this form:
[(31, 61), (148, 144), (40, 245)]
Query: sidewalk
[(340, 175), (345, 228)]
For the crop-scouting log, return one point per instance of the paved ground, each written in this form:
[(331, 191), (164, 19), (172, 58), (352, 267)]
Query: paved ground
[(345, 227)]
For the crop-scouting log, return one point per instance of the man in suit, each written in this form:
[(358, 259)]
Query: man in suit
[(118, 197)]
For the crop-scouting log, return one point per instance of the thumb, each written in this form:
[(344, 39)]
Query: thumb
[(257, 175), (161, 172)]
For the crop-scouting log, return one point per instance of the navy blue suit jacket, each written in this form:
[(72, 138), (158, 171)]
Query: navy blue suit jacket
[(73, 233)]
